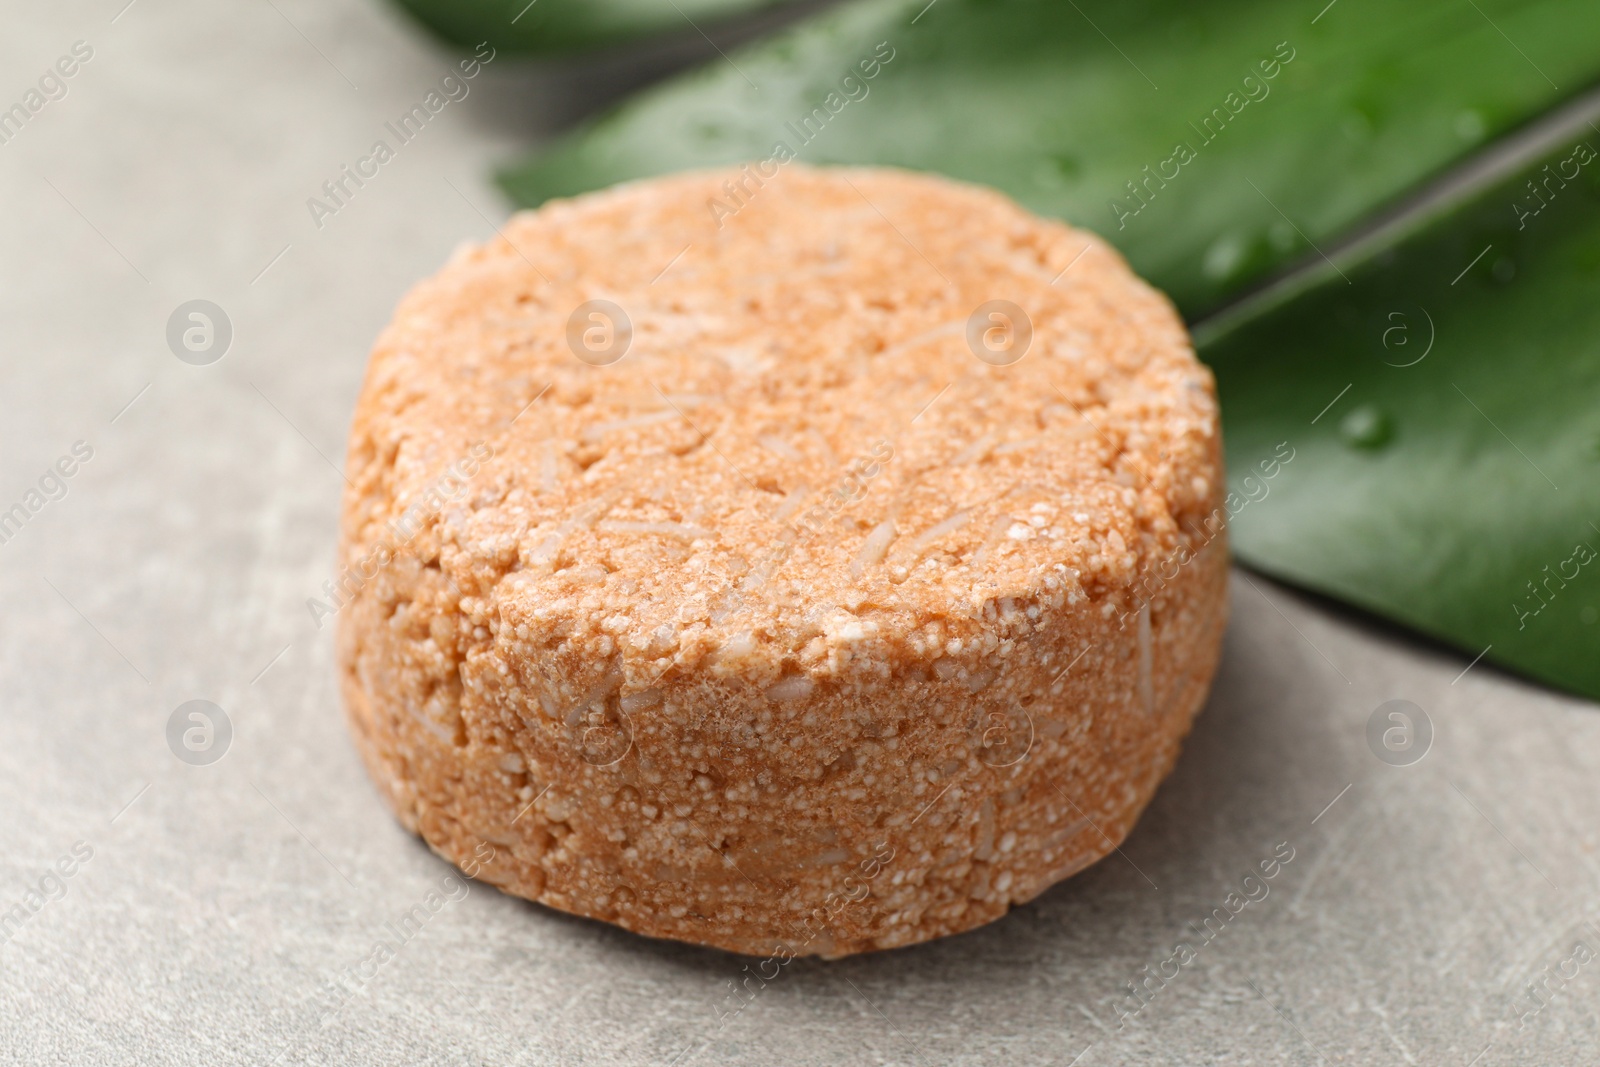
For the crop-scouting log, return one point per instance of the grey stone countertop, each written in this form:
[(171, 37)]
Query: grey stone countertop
[(215, 914)]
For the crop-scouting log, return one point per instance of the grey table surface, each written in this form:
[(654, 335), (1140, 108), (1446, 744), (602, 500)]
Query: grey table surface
[(232, 913)]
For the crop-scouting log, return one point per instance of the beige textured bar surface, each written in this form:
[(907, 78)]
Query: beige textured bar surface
[(807, 596)]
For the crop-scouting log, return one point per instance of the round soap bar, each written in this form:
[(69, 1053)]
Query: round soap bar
[(796, 561)]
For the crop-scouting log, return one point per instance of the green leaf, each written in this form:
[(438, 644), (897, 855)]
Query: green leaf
[(552, 26), (1442, 406), (1063, 104)]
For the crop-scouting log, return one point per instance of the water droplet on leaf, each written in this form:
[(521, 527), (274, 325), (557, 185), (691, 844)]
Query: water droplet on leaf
[(1058, 171), (1366, 427), (1225, 256), (1470, 125)]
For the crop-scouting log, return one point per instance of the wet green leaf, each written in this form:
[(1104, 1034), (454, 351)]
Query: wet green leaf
[(1264, 126), (554, 26), (1442, 405)]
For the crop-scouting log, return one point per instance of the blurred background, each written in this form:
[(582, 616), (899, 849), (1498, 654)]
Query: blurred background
[(220, 900)]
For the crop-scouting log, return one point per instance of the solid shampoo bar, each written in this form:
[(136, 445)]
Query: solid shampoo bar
[(786, 560)]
